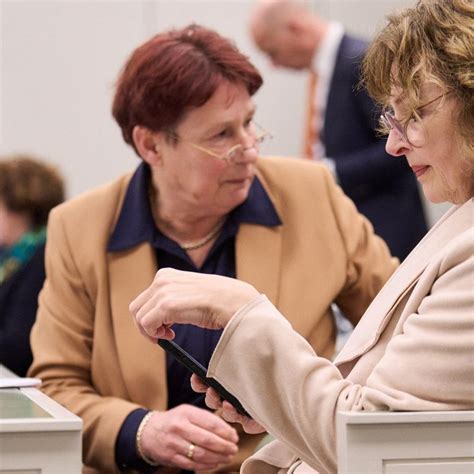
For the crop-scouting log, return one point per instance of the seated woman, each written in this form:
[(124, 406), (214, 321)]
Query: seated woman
[(413, 348), (29, 189), (200, 200)]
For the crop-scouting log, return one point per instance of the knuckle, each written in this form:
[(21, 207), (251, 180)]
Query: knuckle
[(207, 440)]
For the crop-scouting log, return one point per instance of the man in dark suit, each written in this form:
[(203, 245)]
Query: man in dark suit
[(344, 133)]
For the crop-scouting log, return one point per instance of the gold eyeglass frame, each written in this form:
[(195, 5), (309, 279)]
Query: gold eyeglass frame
[(261, 136)]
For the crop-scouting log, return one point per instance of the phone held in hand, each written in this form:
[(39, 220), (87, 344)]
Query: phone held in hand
[(196, 368)]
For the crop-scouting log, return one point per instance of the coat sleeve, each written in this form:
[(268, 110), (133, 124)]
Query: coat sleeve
[(61, 341), (295, 394), (368, 264)]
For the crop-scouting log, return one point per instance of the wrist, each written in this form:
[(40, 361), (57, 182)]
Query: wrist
[(138, 439)]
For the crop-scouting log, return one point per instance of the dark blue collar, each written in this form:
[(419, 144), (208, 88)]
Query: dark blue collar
[(136, 225)]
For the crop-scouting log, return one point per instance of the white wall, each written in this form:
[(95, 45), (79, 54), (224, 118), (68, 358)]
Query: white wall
[(59, 60)]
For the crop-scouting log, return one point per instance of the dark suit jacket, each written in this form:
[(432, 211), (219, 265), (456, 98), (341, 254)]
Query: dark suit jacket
[(18, 305), (383, 187)]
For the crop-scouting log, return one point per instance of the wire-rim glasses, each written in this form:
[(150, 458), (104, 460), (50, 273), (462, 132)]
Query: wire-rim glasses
[(389, 121), (261, 135)]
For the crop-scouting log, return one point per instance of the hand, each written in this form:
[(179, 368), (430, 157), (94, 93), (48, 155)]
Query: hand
[(228, 412), (168, 435), (207, 301)]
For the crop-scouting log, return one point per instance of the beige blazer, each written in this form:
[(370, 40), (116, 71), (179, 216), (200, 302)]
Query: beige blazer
[(86, 348), (412, 350)]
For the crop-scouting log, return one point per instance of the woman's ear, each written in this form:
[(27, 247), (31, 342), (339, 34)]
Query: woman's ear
[(146, 143)]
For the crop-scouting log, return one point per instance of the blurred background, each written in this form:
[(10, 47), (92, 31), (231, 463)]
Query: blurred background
[(59, 60)]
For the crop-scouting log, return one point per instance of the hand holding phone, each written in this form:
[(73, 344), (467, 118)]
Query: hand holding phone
[(196, 368)]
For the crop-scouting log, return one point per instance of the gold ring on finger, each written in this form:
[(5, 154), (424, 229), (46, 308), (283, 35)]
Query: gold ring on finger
[(191, 449)]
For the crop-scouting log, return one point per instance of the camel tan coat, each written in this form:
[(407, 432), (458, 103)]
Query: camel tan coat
[(87, 350)]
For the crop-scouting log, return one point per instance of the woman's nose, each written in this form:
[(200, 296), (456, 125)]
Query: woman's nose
[(396, 145), (246, 154)]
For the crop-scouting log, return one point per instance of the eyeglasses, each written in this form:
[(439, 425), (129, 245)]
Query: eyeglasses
[(261, 136), (389, 121)]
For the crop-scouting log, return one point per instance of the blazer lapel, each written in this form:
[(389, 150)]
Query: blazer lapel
[(257, 258), (131, 272), (377, 316)]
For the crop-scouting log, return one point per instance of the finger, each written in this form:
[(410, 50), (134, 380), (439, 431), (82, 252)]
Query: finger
[(140, 309), (203, 455), (179, 446), (210, 432), (230, 414), (209, 446), (198, 385), (213, 441), (139, 301), (184, 462), (163, 332), (167, 332), (213, 399), (150, 319), (143, 333)]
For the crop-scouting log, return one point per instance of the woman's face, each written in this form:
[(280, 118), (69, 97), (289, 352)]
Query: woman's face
[(12, 225), (192, 178), (433, 150)]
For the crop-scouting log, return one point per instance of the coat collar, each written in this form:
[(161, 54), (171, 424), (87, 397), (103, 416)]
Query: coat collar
[(135, 223), (377, 316)]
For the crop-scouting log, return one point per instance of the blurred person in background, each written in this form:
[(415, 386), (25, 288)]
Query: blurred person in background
[(29, 189), (200, 200), (413, 348), (341, 122)]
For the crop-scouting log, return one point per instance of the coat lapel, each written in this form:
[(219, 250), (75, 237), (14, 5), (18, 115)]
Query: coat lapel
[(258, 258), (377, 316), (132, 271), (258, 251)]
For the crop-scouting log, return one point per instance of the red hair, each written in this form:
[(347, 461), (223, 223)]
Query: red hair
[(176, 71)]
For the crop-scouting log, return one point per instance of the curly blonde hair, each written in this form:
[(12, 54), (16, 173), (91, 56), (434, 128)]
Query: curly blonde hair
[(30, 186), (432, 42)]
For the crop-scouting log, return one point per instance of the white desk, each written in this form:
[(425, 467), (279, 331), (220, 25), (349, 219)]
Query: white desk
[(37, 435), (405, 442)]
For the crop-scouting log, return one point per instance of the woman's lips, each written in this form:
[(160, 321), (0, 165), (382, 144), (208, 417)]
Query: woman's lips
[(419, 170)]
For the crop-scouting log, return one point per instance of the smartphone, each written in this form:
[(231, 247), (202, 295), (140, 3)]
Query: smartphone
[(196, 368)]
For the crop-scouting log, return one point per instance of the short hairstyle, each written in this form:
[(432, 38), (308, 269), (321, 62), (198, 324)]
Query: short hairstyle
[(432, 41), (174, 72), (30, 186)]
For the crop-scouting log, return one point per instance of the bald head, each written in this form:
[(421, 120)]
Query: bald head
[(271, 14), (286, 31)]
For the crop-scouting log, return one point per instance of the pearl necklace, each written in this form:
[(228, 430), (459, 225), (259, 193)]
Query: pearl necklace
[(201, 242)]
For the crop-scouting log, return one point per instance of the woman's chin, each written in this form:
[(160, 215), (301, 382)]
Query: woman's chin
[(236, 198), (433, 197), (439, 196)]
